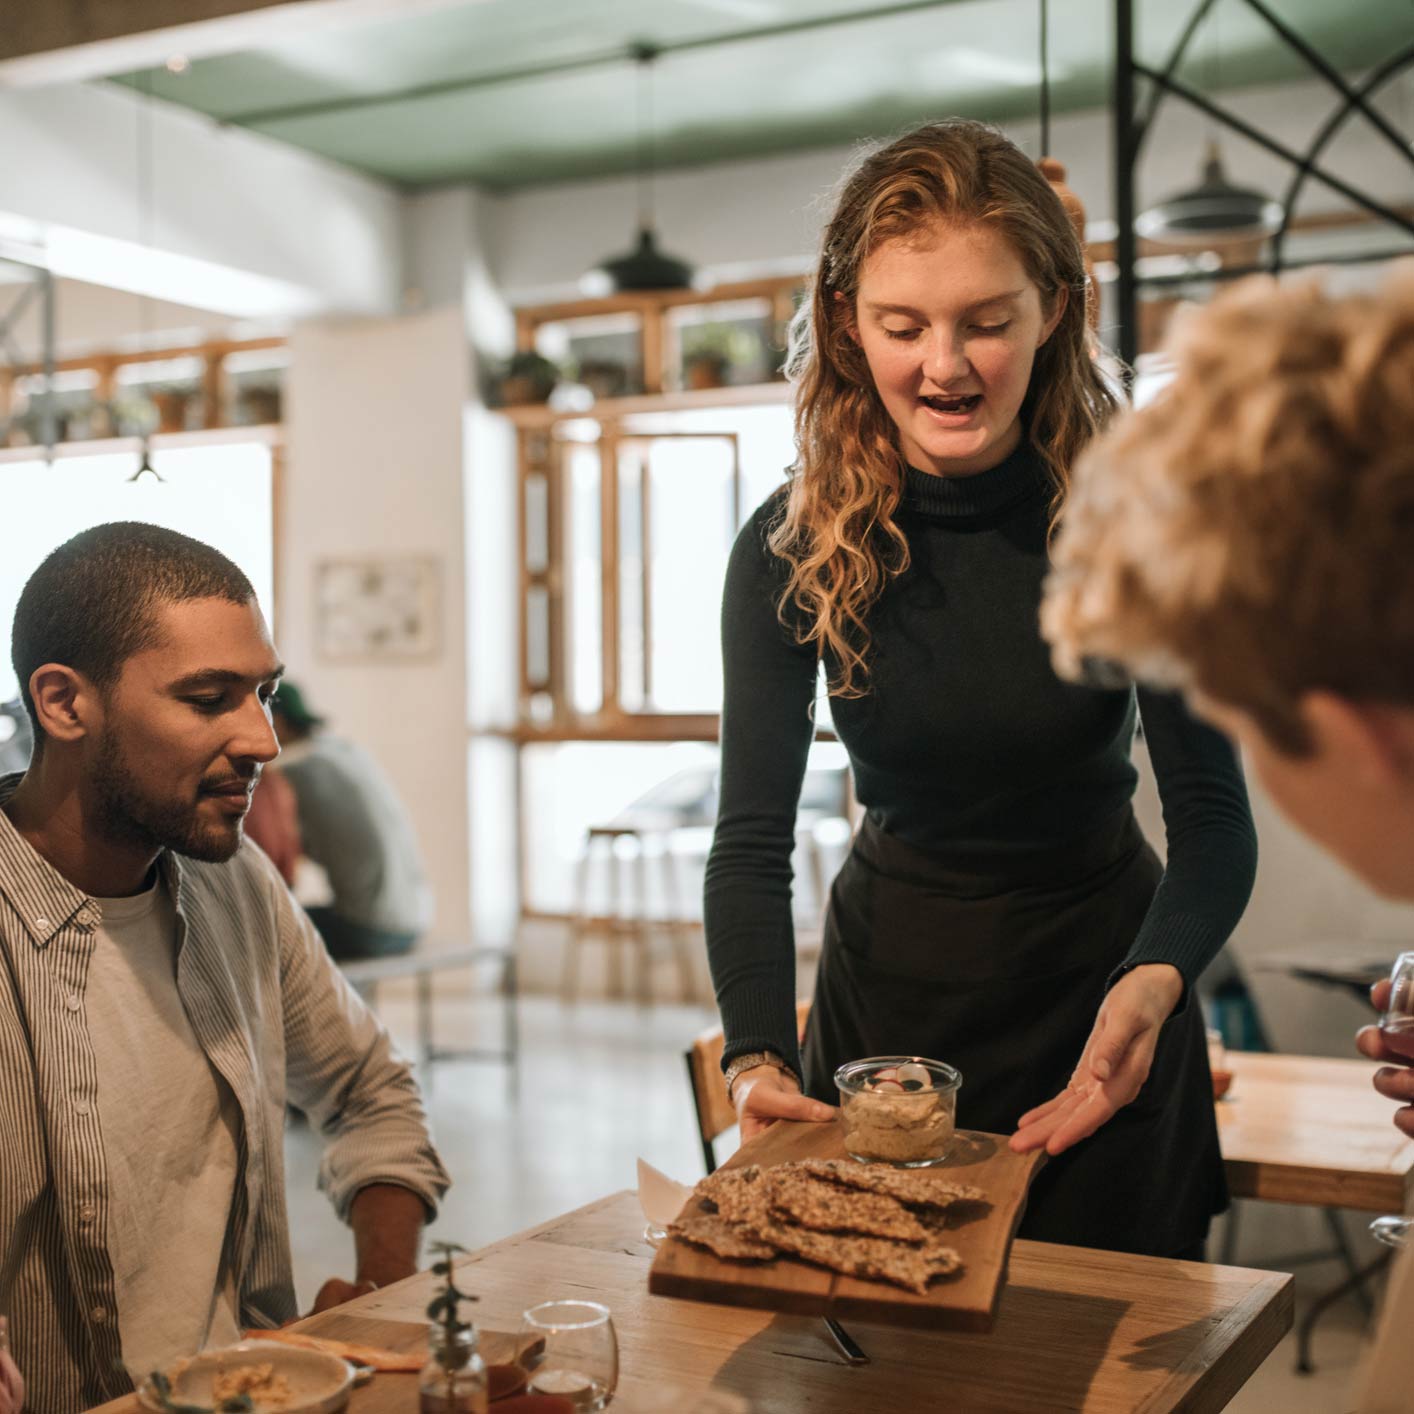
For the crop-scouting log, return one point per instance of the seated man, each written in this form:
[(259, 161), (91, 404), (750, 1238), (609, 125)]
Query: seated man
[(162, 997), (352, 824), (1249, 539)]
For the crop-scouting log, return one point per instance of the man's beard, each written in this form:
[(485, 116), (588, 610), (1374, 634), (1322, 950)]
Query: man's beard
[(127, 815)]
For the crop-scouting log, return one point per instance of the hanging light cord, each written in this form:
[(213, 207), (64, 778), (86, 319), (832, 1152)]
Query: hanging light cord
[(1045, 82), (145, 239), (144, 195), (645, 55)]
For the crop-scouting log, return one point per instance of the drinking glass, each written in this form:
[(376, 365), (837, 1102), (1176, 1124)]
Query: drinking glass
[(569, 1348), (1397, 1029)]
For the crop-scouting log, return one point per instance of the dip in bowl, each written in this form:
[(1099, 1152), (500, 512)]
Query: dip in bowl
[(898, 1109)]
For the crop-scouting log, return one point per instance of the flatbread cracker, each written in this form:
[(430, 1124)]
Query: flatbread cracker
[(803, 1200), (874, 1258), (739, 1195), (914, 1188), (722, 1238)]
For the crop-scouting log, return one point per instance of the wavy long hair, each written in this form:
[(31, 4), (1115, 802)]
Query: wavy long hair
[(837, 534)]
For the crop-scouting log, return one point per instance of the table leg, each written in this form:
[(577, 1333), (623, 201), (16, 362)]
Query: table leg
[(1306, 1330)]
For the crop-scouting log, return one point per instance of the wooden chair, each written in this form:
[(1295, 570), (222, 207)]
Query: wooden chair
[(715, 1114)]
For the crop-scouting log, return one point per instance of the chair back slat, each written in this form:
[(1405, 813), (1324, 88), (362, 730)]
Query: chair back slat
[(715, 1114)]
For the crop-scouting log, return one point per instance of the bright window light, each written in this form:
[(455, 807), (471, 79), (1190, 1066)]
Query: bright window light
[(221, 495)]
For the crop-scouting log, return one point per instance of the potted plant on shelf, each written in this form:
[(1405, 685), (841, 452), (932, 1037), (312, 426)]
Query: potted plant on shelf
[(711, 351), (171, 401), (528, 377)]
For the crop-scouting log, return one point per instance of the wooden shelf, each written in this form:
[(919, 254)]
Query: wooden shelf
[(270, 434), (532, 415)]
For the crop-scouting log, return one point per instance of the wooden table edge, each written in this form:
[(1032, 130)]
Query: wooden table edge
[(1213, 1387)]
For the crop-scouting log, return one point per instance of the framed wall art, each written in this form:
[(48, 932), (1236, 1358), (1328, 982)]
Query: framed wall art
[(377, 608)]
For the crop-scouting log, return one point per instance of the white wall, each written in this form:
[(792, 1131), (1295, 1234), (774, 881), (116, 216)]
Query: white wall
[(262, 228), (375, 469)]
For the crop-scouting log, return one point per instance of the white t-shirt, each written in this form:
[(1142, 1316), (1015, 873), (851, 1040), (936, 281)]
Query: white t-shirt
[(170, 1125)]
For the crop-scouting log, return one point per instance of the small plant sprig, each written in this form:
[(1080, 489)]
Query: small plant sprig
[(445, 1308)]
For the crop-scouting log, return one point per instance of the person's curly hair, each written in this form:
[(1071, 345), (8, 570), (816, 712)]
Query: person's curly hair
[(837, 534), (1250, 534)]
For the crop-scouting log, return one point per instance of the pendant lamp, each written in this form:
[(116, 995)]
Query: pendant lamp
[(645, 267), (1214, 211)]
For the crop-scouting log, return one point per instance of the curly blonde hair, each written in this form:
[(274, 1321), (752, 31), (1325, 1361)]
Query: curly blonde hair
[(1250, 534), (838, 534)]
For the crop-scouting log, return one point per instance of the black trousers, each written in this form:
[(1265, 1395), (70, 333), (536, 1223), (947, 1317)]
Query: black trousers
[(996, 962)]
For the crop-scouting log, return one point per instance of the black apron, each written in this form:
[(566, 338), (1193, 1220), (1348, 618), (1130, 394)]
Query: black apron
[(997, 964)]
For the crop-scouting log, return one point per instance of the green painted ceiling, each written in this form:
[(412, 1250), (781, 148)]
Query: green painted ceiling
[(881, 67)]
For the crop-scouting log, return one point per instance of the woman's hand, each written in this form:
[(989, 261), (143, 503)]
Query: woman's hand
[(764, 1094), (1114, 1065)]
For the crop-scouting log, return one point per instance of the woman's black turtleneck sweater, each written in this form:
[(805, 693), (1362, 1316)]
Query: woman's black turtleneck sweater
[(964, 739)]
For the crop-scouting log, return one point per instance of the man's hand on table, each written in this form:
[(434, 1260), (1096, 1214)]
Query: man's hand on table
[(12, 1386), (387, 1221), (336, 1291), (1394, 1081), (765, 1093), (1114, 1065)]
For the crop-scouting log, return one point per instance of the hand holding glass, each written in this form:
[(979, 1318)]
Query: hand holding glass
[(1397, 1032)]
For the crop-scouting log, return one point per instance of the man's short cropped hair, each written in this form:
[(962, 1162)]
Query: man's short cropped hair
[(93, 602), (1250, 533)]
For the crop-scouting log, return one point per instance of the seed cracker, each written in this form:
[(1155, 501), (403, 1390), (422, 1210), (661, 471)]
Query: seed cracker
[(722, 1238), (914, 1188), (803, 1200)]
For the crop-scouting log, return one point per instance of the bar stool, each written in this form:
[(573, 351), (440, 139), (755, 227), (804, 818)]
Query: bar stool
[(626, 848)]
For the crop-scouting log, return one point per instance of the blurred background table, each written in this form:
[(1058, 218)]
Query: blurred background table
[(1310, 1130)]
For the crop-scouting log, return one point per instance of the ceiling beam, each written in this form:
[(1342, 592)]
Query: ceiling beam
[(47, 43), (615, 55)]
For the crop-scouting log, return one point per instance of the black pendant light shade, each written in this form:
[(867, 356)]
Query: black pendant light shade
[(647, 268), (1212, 212)]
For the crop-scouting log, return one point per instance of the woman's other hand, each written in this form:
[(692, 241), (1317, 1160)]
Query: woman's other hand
[(765, 1093), (1115, 1063)]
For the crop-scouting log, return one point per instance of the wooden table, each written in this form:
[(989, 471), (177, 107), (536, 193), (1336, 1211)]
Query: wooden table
[(1310, 1130), (1304, 1129), (1076, 1330)]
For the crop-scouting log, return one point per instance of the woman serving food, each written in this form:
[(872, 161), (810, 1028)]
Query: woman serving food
[(1000, 909)]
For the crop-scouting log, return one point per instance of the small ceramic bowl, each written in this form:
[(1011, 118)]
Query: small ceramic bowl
[(898, 1110), (318, 1383)]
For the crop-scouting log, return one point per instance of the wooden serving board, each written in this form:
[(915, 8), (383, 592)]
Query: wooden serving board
[(967, 1302)]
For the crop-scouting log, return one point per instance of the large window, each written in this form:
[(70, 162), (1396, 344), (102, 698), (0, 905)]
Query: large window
[(220, 494), (628, 524)]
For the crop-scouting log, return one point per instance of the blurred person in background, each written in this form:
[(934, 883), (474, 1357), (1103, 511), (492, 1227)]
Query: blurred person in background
[(273, 822), (1248, 538), (352, 824), (16, 737)]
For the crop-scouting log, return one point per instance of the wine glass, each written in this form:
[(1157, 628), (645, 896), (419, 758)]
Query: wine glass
[(568, 1348), (1397, 1031)]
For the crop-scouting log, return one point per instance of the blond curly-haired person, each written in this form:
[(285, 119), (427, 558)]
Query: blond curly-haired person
[(1248, 538)]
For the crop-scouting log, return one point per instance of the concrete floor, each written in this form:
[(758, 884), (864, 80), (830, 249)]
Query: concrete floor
[(602, 1083)]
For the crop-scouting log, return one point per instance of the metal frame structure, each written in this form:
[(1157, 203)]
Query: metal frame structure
[(35, 283), (1134, 121)]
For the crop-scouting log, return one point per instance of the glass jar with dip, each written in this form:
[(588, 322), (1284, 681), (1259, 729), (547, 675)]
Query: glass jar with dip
[(899, 1110)]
